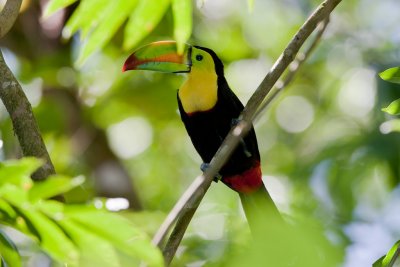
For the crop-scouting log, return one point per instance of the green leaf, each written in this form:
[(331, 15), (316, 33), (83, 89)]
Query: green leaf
[(9, 252), (393, 108), (112, 19), (378, 263), (95, 251), (52, 238), (54, 186), (7, 209), (55, 5), (14, 195), (391, 75), (51, 208), (80, 19), (143, 20), (119, 231), (391, 254), (18, 171), (182, 11)]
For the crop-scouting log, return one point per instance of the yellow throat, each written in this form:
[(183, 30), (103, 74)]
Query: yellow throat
[(200, 91)]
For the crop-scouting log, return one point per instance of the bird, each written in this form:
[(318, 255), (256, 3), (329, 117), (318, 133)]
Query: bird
[(209, 109)]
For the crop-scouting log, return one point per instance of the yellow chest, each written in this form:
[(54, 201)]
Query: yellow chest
[(199, 92)]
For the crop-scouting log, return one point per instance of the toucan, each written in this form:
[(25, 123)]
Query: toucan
[(209, 109)]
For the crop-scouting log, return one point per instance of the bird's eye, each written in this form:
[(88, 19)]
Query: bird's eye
[(199, 57)]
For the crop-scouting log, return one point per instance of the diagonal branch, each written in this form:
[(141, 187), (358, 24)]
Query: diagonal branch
[(8, 15), (17, 105), (293, 68), (188, 203)]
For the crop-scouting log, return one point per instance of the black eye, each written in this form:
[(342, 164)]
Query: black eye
[(199, 57)]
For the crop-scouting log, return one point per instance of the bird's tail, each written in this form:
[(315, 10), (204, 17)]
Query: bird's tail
[(260, 210)]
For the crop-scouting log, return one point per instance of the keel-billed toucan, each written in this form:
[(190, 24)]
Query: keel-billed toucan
[(209, 109)]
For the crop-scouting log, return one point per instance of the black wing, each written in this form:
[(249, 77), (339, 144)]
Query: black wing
[(247, 152)]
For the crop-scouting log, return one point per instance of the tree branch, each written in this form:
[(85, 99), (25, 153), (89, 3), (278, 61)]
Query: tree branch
[(177, 234), (17, 104), (8, 15), (188, 203), (293, 68)]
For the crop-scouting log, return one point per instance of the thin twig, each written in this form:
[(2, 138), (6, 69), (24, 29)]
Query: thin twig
[(177, 234), (8, 15), (293, 68), (17, 104), (178, 209), (194, 194)]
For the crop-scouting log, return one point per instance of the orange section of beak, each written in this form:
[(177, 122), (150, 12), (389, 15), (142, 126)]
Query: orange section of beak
[(159, 56), (133, 62)]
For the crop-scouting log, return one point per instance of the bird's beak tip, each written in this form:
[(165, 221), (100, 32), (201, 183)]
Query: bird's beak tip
[(125, 68), (130, 63)]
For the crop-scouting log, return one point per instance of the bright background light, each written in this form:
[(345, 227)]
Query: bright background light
[(130, 137)]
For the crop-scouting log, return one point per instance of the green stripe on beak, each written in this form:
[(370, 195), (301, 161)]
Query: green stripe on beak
[(160, 56)]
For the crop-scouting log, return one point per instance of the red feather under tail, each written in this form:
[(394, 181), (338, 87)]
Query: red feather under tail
[(247, 182)]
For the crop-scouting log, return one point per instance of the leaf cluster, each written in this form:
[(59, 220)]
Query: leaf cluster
[(75, 235), (392, 75), (106, 17)]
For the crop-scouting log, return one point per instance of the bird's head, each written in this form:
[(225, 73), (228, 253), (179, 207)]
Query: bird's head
[(205, 70), (163, 57)]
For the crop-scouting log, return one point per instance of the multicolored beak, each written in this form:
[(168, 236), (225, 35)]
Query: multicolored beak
[(160, 56)]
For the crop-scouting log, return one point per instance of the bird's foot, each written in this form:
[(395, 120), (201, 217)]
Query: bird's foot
[(235, 121), (204, 166)]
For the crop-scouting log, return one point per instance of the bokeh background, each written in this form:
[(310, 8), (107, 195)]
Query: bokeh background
[(328, 151)]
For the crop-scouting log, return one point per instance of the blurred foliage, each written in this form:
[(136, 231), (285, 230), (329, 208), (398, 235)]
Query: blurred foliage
[(329, 154), (97, 21), (392, 75), (73, 235)]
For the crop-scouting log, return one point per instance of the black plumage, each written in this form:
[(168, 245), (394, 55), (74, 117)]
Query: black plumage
[(207, 129)]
